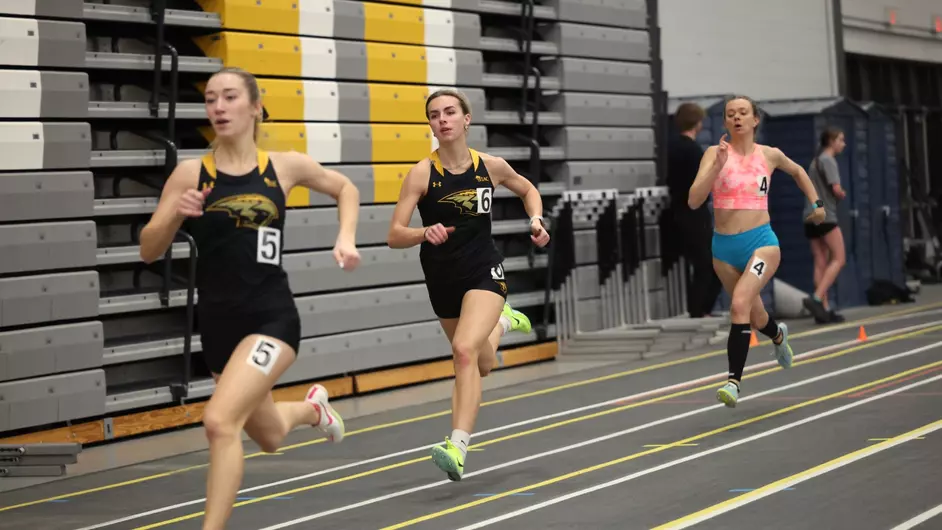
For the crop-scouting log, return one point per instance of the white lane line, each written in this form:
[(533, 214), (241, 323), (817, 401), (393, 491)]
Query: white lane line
[(919, 519), (568, 412), (606, 437), (694, 456)]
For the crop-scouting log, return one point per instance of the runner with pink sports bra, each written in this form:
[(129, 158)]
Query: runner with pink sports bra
[(746, 252)]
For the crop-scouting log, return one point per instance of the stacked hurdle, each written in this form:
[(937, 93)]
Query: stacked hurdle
[(37, 460), (617, 278)]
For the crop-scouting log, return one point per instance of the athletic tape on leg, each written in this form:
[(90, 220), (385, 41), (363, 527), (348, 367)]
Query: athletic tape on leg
[(263, 355), (757, 267)]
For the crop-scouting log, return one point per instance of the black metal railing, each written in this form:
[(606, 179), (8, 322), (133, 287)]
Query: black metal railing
[(158, 8), (561, 262)]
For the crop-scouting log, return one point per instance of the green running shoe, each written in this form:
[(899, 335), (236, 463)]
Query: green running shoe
[(728, 394), (448, 458), (518, 321)]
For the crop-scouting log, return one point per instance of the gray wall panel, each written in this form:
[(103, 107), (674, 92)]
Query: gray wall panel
[(367, 350), (349, 20), (48, 297), (580, 40), (352, 311), (45, 400), (591, 143), (317, 228), (351, 60), (621, 175), (583, 108), (50, 195), (317, 271), (64, 95), (587, 281), (590, 314), (354, 102), (48, 350), (47, 246), (357, 143), (67, 145), (624, 13), (61, 44), (590, 75), (470, 70), (586, 247), (59, 9), (467, 30)]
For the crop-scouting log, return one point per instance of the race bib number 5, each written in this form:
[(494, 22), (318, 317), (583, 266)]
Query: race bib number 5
[(269, 246)]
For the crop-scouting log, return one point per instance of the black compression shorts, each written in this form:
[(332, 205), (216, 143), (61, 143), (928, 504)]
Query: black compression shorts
[(813, 231), (221, 332), (446, 296)]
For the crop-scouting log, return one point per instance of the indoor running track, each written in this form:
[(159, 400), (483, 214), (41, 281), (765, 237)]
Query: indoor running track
[(850, 437)]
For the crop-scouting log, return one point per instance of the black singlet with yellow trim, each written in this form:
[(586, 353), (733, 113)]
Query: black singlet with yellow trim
[(463, 201), (239, 239)]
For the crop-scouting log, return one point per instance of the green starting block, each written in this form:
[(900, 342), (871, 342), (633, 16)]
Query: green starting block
[(37, 460)]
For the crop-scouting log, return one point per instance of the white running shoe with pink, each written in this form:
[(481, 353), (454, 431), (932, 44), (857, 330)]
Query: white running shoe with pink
[(331, 422)]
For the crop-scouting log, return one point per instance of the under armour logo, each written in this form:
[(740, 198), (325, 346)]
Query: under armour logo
[(436, 184)]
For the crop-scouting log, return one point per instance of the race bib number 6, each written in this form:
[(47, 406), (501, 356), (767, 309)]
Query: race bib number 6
[(484, 200), (269, 246)]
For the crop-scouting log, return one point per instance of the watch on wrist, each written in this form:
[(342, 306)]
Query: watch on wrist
[(819, 203), (540, 218)]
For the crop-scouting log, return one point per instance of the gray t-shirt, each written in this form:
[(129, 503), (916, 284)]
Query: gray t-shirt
[(822, 185)]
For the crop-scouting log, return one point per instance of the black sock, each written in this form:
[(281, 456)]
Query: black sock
[(771, 329), (737, 347)]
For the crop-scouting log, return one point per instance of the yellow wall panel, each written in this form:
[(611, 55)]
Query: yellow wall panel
[(283, 99), (397, 103), (259, 54), (387, 23), (396, 63), (270, 16), (401, 143), (299, 196), (387, 180), (283, 137)]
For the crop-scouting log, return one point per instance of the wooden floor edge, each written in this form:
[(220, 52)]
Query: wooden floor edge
[(154, 421)]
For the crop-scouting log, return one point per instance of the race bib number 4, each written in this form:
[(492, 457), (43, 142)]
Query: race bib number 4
[(269, 246), (757, 267), (485, 196), (763, 183)]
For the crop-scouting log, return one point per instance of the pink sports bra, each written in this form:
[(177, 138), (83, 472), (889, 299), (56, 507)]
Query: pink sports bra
[(743, 183)]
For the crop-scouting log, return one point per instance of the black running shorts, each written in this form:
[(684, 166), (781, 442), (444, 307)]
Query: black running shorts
[(220, 332), (813, 231), (446, 296)]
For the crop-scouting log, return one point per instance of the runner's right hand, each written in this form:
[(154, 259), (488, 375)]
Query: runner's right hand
[(190, 203), (438, 234)]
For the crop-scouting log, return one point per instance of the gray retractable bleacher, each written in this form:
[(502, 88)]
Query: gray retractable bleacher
[(87, 136), (50, 338)]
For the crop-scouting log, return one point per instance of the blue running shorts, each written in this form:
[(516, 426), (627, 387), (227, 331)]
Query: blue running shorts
[(737, 249)]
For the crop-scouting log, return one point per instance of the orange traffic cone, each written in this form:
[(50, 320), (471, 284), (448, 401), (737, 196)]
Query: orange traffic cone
[(862, 334), (753, 340)]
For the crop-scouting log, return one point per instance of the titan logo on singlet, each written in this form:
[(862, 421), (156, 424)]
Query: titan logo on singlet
[(251, 210), (470, 202)]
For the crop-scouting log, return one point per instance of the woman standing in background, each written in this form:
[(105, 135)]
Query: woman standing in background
[(827, 241)]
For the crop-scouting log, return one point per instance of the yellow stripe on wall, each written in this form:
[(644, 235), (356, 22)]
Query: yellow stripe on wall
[(299, 196), (274, 16), (395, 62), (387, 180), (387, 23), (397, 103), (259, 54), (401, 143), (283, 137), (283, 99)]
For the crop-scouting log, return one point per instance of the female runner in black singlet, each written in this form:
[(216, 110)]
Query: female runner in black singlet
[(453, 189), (233, 201)]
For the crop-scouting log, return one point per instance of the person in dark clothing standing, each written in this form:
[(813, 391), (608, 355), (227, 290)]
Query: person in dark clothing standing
[(696, 225)]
